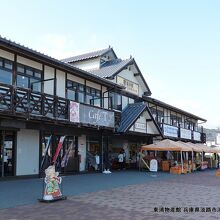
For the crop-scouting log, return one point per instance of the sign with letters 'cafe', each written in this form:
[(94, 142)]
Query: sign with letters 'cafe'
[(80, 113)]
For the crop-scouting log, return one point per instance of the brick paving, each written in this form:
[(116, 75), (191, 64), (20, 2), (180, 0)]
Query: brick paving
[(190, 196)]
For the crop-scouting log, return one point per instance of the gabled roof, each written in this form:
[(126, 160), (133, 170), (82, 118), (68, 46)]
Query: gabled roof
[(59, 64), (131, 113), (111, 68), (89, 55), (172, 108)]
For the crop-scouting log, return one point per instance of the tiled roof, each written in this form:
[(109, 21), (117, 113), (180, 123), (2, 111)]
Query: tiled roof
[(129, 115), (109, 68), (86, 56)]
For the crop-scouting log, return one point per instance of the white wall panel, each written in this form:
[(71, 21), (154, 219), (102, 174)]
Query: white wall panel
[(29, 62), (27, 152), (6, 54)]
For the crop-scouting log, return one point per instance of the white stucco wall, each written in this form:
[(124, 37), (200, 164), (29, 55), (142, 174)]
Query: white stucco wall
[(49, 85), (27, 162), (88, 64), (75, 78), (82, 152), (93, 85), (129, 75), (29, 62), (6, 54), (61, 83)]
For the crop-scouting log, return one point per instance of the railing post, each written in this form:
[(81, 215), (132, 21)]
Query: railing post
[(55, 107), (28, 103), (42, 104), (12, 91)]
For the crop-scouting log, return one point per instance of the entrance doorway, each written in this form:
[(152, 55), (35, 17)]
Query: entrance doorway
[(93, 154), (7, 153)]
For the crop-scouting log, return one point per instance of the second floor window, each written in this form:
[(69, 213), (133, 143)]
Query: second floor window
[(28, 77), (75, 91), (93, 96), (6, 67), (115, 101)]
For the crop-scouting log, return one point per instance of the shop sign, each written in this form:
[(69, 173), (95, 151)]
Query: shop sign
[(185, 134), (90, 115), (129, 85), (153, 165), (196, 136), (170, 131), (140, 126)]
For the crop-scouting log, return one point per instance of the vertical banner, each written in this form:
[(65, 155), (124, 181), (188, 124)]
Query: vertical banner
[(58, 148), (74, 111), (45, 151)]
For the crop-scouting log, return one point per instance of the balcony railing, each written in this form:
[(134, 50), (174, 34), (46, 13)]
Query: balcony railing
[(26, 103)]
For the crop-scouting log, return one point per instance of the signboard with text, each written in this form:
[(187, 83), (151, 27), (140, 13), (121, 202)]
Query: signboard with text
[(185, 134), (90, 115), (170, 131), (196, 136)]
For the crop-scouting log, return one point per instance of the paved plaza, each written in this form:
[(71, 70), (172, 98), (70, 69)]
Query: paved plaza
[(120, 195)]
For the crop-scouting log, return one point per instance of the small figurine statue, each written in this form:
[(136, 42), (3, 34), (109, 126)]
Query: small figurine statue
[(52, 189)]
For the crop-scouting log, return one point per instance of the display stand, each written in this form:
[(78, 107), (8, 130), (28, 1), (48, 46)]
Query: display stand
[(52, 192)]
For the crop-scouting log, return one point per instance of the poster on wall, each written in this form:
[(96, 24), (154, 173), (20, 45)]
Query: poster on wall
[(74, 112)]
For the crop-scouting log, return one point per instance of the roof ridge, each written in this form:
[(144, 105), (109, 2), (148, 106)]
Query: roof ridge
[(87, 55)]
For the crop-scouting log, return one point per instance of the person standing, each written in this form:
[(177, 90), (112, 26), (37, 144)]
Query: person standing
[(121, 160)]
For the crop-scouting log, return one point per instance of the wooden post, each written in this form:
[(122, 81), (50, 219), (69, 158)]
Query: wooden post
[(181, 160), (192, 161)]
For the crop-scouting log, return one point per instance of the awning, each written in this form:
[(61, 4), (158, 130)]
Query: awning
[(194, 147), (166, 145)]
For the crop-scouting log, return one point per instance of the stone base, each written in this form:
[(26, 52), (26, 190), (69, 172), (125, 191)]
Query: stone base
[(53, 200)]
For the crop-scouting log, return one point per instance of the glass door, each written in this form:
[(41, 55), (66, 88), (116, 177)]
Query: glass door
[(7, 140)]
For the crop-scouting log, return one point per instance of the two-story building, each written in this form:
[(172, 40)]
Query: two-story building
[(100, 104), (136, 105)]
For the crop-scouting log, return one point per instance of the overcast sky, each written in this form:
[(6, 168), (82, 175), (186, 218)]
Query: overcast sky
[(176, 44)]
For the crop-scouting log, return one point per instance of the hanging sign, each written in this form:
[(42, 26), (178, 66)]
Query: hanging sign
[(74, 111)]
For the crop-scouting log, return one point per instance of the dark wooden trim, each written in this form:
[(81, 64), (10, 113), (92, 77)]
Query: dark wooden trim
[(66, 85), (42, 78), (85, 91), (14, 70), (101, 99), (55, 82)]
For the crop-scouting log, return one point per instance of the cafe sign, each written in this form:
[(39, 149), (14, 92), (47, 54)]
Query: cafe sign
[(80, 113), (170, 131)]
